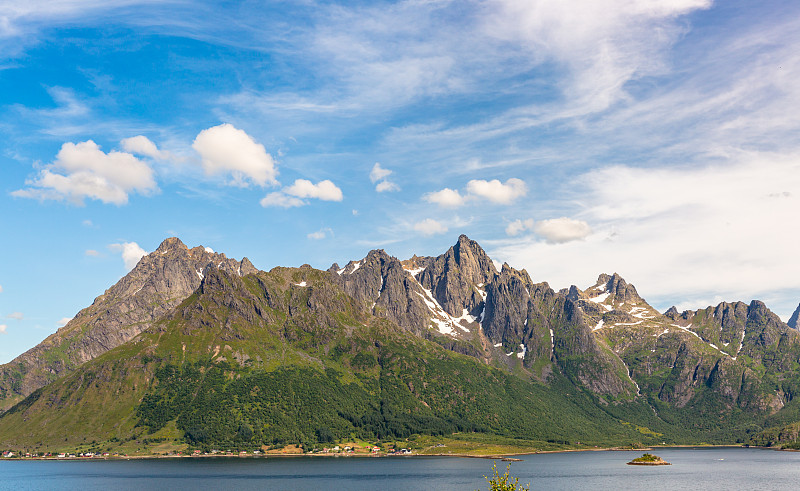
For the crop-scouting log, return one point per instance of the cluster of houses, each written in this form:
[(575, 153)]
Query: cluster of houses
[(9, 454)]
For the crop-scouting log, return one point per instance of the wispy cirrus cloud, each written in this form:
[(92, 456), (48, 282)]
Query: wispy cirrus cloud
[(429, 226), (685, 234)]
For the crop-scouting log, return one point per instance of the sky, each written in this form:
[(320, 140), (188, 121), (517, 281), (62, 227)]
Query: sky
[(659, 139)]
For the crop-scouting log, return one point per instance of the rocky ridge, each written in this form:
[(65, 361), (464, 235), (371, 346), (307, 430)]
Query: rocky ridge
[(157, 284), (605, 338)]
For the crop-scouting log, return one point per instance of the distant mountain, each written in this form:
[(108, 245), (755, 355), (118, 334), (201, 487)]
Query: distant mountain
[(212, 351), (794, 320), (159, 282)]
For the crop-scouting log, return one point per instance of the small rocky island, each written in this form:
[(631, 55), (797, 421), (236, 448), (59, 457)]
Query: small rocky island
[(648, 459)]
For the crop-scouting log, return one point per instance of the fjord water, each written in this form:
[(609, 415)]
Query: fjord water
[(704, 468)]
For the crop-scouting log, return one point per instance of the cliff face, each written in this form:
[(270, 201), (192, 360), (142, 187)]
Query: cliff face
[(158, 283)]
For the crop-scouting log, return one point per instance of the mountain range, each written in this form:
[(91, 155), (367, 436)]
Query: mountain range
[(198, 348)]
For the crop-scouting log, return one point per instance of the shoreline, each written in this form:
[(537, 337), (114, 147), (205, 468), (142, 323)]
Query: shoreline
[(384, 455)]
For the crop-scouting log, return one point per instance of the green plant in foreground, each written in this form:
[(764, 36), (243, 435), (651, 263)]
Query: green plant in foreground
[(504, 482)]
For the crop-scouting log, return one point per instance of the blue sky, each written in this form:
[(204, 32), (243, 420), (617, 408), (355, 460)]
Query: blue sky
[(657, 139)]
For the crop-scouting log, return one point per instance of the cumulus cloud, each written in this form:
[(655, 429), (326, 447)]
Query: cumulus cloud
[(560, 230), (225, 149), (430, 226), (3, 328), (82, 171), (448, 198), (518, 226), (496, 191), (295, 195), (130, 251), (16, 316), (142, 145), (63, 321), (477, 189), (320, 234), (324, 190)]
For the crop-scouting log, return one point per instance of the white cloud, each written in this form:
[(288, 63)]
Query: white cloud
[(92, 253), (430, 226), (600, 44), (16, 316), (560, 230), (477, 189), (518, 226), (386, 186), (208, 250), (294, 195), (497, 192), (683, 234), (131, 253), (144, 146), (281, 200), (226, 149), (324, 190), (378, 173), (320, 234), (1, 288), (3, 328), (88, 172), (63, 321), (448, 198)]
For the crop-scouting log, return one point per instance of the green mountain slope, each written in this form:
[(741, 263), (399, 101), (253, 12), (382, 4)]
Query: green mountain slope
[(382, 350), (260, 361)]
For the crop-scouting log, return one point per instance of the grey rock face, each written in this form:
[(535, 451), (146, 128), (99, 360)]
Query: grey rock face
[(380, 283), (159, 282), (453, 276), (617, 286), (794, 320), (506, 311)]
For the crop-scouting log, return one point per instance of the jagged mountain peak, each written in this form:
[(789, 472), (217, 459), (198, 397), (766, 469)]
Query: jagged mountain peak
[(453, 276), (170, 244), (374, 257), (617, 286), (159, 282), (794, 320)]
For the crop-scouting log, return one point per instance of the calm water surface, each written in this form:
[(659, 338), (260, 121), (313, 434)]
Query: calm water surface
[(691, 469)]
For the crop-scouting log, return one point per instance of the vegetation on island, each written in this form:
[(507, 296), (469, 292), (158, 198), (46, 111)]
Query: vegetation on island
[(648, 459)]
